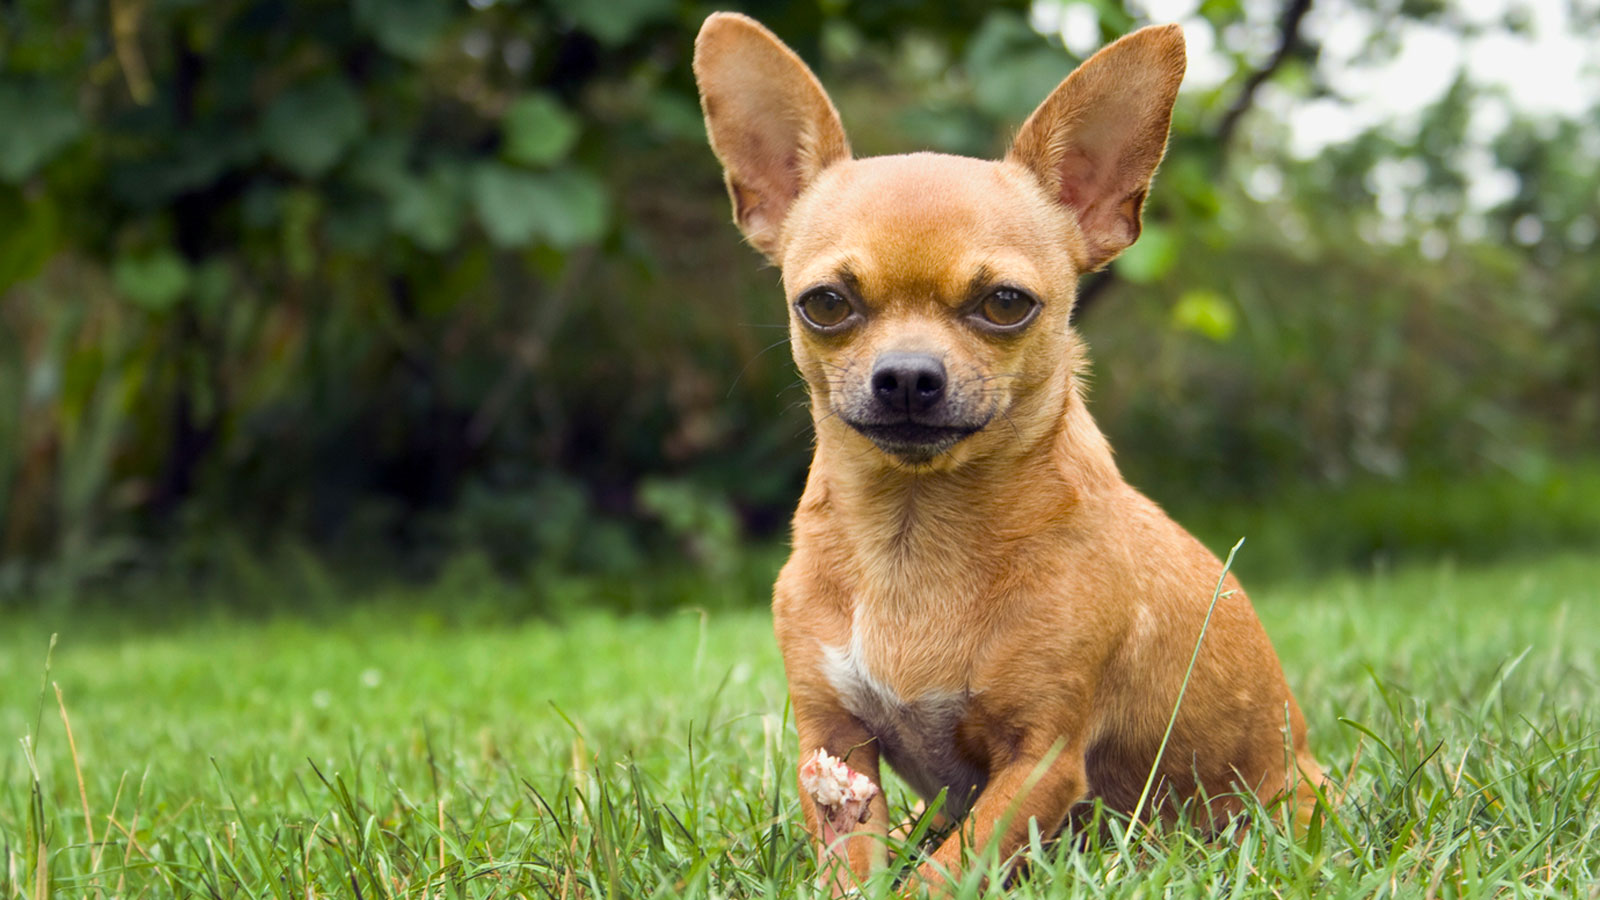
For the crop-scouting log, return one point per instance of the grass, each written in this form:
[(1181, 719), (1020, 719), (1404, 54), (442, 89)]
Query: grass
[(381, 753)]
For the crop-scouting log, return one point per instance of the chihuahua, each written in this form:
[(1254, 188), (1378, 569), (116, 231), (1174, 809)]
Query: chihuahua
[(975, 595)]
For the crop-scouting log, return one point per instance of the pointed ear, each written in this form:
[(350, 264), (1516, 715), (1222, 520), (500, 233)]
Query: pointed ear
[(770, 122), (1095, 141)]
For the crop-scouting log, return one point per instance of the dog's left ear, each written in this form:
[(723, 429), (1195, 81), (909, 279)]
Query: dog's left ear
[(1096, 140)]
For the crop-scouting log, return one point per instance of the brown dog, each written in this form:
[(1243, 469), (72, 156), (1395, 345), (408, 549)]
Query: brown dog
[(975, 594)]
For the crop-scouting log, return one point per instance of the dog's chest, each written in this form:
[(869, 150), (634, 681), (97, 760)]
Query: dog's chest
[(916, 734)]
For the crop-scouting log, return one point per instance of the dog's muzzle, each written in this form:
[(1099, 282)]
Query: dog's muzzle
[(910, 412)]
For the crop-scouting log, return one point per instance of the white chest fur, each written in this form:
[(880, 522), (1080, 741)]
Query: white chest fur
[(916, 735)]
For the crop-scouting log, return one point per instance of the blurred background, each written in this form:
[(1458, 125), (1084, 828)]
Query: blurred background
[(303, 301)]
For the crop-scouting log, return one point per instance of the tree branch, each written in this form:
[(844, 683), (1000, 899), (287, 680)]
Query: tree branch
[(1091, 289), (1095, 288), (1288, 36)]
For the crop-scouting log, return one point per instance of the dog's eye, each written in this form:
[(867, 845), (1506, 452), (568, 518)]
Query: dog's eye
[(824, 308), (1007, 308)]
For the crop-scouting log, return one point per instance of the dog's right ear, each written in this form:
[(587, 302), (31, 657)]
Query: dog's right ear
[(1094, 143), (770, 122)]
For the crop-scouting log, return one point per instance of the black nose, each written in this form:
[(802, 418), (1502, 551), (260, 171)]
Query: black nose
[(908, 382)]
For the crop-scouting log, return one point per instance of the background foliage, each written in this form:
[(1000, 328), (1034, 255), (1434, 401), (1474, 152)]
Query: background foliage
[(424, 287)]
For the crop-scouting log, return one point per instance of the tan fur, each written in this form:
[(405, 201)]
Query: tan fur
[(776, 127), (1013, 585)]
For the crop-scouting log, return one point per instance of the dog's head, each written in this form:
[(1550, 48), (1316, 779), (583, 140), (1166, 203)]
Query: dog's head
[(929, 295)]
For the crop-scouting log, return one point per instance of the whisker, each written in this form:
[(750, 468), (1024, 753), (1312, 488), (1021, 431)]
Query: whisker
[(817, 422), (752, 362)]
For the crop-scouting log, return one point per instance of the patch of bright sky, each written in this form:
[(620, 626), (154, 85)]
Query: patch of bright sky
[(1550, 71)]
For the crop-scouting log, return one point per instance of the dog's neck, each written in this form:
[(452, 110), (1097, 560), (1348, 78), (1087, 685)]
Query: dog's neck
[(912, 534)]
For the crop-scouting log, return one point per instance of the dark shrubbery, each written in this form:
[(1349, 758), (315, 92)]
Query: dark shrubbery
[(408, 282)]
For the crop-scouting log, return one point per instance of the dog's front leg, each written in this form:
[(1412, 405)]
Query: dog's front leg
[(850, 849), (1033, 786)]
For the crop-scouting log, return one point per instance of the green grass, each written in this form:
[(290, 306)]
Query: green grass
[(380, 753)]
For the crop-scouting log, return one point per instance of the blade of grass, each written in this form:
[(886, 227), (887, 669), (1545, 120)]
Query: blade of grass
[(1155, 765)]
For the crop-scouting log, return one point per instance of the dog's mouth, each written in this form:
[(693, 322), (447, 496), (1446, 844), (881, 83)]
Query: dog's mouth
[(914, 442)]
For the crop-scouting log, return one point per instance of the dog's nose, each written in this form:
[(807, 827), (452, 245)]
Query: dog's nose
[(908, 382)]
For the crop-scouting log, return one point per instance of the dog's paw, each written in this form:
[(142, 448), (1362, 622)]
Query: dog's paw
[(843, 796)]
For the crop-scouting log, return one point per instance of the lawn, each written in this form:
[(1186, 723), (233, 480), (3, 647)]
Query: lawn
[(383, 752)]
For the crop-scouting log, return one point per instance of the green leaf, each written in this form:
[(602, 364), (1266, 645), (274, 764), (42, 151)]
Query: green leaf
[(429, 209), (308, 127), (1013, 67), (675, 117), (562, 208), (1221, 12), (1150, 257), (1205, 312), (378, 163), (538, 130), (578, 208), (409, 29), (154, 281), (1115, 20), (1193, 180), (616, 21), (211, 285), (36, 122), (189, 159), (32, 236), (510, 203)]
